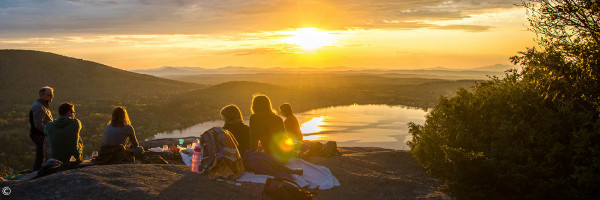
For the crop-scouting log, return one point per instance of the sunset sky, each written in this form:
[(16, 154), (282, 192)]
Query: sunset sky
[(387, 34)]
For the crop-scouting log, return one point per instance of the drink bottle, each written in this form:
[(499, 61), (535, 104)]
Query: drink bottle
[(196, 158)]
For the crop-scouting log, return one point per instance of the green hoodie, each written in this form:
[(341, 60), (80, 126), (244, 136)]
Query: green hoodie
[(63, 136)]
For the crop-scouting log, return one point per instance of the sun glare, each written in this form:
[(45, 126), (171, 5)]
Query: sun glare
[(310, 38)]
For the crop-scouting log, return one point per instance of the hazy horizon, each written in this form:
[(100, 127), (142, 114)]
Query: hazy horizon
[(382, 34), (319, 68)]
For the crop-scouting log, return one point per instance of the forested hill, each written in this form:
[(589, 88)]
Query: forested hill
[(23, 72), (156, 105)]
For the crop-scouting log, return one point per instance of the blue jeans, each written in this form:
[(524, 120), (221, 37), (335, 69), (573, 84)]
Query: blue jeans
[(39, 150)]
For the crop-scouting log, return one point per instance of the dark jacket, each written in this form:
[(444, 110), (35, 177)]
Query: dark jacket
[(39, 116), (268, 129), (63, 136), (241, 132)]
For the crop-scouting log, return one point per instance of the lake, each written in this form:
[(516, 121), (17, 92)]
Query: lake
[(353, 125)]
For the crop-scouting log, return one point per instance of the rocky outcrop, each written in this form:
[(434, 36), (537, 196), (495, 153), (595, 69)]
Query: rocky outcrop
[(364, 173)]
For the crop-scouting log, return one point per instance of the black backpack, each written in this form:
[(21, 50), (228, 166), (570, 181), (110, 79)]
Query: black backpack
[(330, 149), (282, 188)]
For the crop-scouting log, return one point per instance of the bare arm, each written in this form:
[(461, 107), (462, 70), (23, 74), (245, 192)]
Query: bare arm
[(133, 139), (79, 131)]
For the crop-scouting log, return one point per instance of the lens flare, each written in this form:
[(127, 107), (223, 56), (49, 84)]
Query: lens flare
[(289, 141), (286, 145)]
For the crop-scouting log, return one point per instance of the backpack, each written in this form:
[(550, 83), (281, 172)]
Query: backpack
[(312, 149), (317, 149), (282, 188), (330, 149), (220, 156)]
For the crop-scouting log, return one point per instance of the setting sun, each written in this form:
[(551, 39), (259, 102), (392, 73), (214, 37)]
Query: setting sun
[(310, 38)]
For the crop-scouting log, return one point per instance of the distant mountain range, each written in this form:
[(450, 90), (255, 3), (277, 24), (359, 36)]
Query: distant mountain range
[(438, 72), (175, 71)]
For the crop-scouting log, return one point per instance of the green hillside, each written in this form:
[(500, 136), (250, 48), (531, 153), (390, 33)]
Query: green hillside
[(95, 89), (23, 72)]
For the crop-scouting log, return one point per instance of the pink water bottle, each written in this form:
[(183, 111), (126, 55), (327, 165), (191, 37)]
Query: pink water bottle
[(196, 159)]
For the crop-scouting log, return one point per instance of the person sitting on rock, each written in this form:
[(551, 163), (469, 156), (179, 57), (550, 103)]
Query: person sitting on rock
[(234, 123), (119, 130), (292, 128), (267, 128), (63, 135), (117, 133)]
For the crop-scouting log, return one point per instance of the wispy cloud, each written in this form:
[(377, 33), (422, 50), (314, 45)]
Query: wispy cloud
[(468, 28), (152, 33), (255, 51), (52, 17)]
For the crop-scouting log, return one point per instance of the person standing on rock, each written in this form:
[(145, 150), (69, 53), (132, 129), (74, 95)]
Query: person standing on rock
[(39, 117), (63, 135)]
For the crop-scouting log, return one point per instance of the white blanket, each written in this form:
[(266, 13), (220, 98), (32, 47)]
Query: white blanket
[(314, 176), (187, 158)]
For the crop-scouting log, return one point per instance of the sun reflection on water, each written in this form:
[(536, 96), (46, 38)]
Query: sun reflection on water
[(313, 126)]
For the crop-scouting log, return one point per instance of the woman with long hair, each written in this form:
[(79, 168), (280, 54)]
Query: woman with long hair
[(119, 129), (234, 123), (117, 133), (267, 128)]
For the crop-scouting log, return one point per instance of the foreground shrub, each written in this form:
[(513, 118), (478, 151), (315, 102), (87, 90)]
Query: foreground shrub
[(504, 140), (535, 134)]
